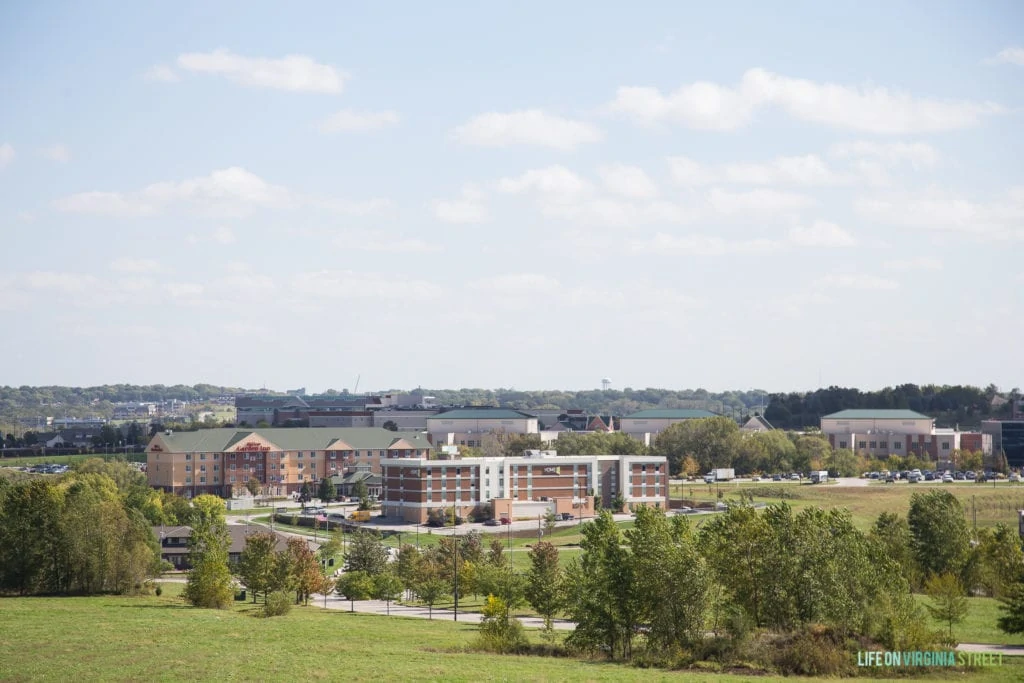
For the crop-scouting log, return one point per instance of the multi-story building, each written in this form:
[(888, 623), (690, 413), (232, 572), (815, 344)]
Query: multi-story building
[(281, 410), (467, 426), (403, 419), (885, 432), (520, 487), (1007, 437), (646, 424), (221, 461), (340, 418)]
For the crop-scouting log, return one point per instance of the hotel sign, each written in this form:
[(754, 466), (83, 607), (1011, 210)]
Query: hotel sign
[(155, 447), (413, 473), (552, 470), (254, 446)]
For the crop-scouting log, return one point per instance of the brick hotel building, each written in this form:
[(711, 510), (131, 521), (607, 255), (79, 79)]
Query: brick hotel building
[(220, 461), (520, 487)]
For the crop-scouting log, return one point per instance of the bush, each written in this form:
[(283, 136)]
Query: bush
[(499, 632), (815, 651), (278, 604), (159, 590)]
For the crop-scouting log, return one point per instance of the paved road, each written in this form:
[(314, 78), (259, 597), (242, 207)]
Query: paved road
[(381, 608)]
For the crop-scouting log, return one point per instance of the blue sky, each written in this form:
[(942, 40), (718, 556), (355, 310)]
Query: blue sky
[(536, 196)]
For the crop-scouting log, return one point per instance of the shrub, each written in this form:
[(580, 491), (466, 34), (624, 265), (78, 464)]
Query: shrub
[(815, 651), (498, 631), (159, 590), (277, 604)]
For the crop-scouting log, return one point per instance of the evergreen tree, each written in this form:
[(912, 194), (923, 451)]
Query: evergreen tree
[(327, 491)]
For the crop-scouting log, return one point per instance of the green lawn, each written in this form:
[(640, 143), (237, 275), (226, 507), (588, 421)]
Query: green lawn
[(994, 503), (980, 624), (161, 639)]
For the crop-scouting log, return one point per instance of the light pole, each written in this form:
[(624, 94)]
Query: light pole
[(456, 539)]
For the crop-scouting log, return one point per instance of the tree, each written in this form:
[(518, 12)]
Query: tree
[(973, 460), (1012, 607), (515, 444), (390, 425), (209, 579), (255, 568), (689, 467), (305, 569), (407, 565), (387, 586), (253, 485), (367, 553), (673, 591), (328, 491), (1000, 557), (601, 592), (711, 441), (549, 522), (941, 539), (544, 583), (950, 602), (893, 534), (430, 586), (360, 492), (355, 586), (496, 553), (305, 494)]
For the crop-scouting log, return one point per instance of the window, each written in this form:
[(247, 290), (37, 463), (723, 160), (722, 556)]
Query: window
[(312, 454), (861, 444), (874, 444), (188, 456), (300, 455), (883, 444), (945, 446), (202, 480), (842, 444), (188, 468), (232, 479), (202, 468), (896, 445), (202, 456)]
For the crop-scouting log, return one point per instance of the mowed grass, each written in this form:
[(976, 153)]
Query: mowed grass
[(161, 639), (993, 503), (979, 626)]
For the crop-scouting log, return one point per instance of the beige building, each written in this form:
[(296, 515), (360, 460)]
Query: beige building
[(521, 487), (467, 426), (881, 433), (221, 461), (646, 424)]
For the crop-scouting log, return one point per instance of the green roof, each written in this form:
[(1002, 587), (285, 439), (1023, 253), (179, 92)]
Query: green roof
[(670, 414), (296, 439), (481, 414), (876, 414)]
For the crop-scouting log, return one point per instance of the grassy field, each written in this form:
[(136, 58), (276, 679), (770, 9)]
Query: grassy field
[(980, 624), (994, 503), (67, 459), (160, 639)]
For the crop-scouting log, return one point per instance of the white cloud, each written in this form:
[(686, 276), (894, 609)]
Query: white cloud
[(348, 284), (378, 240), (861, 281), (916, 153), (553, 181), (701, 245), (229, 192), (820, 234), (223, 235), (628, 181), (808, 170), (993, 220), (1010, 55), (297, 73), (869, 108), (760, 201), (56, 152), (104, 203), (69, 283), (6, 154), (918, 263), (161, 73), (518, 284), (135, 265), (467, 209), (348, 120), (526, 127)]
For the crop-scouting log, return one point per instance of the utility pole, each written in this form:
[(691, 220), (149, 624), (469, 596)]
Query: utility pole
[(456, 539)]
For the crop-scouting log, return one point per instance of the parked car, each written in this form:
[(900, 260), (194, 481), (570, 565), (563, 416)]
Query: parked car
[(959, 476), (776, 477), (1014, 477), (505, 520), (794, 477), (890, 478), (492, 522), (971, 476), (947, 478), (929, 476), (567, 516)]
